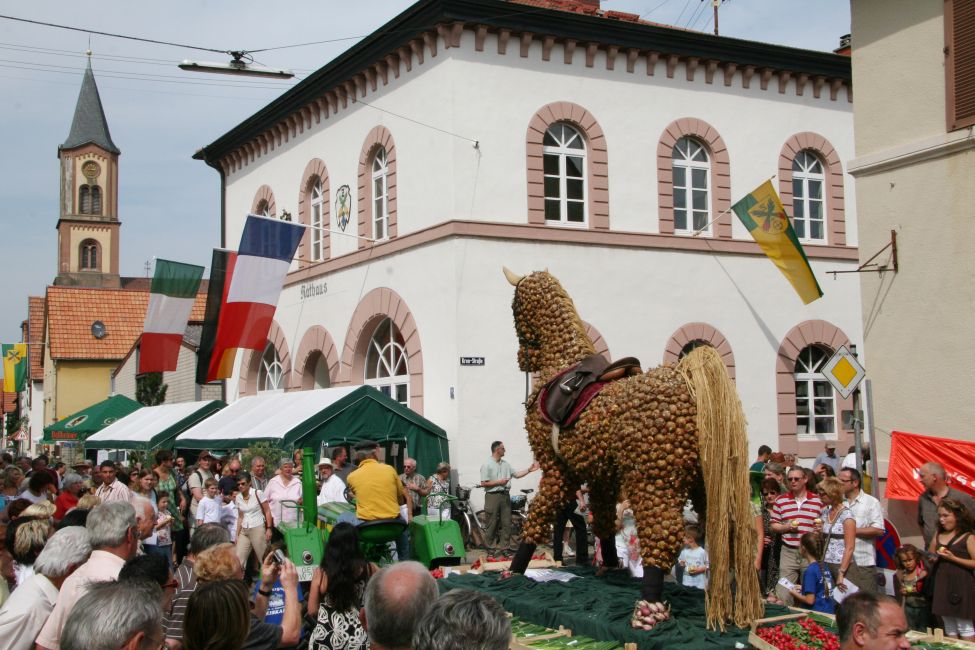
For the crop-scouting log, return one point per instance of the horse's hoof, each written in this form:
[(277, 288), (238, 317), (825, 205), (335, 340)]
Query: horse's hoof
[(646, 615)]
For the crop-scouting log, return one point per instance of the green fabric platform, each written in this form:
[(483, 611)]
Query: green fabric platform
[(600, 608)]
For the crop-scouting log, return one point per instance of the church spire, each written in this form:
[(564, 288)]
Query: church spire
[(89, 124)]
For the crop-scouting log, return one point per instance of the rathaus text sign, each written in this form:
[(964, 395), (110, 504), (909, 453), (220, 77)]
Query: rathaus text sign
[(313, 290)]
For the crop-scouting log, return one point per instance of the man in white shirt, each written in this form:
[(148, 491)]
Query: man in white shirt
[(111, 488), (27, 609), (114, 537), (869, 516), (333, 488)]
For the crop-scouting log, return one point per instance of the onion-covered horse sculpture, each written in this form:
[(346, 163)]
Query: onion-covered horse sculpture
[(662, 436)]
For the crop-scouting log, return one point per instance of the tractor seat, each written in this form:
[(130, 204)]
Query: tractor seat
[(381, 531)]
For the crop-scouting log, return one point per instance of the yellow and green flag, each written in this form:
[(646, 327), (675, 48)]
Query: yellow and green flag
[(766, 220), (14, 366)]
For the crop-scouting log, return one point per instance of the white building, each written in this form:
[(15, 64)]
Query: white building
[(466, 135)]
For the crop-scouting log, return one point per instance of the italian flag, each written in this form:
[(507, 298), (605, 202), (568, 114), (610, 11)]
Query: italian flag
[(173, 292)]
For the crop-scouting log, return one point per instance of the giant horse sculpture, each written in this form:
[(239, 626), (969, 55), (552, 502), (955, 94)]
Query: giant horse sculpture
[(662, 436)]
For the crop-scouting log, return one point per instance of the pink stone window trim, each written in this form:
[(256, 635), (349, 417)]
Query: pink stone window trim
[(250, 369), (315, 169), (316, 341), (814, 332), (264, 193), (720, 173), (379, 136), (706, 334), (375, 306), (597, 162), (834, 190)]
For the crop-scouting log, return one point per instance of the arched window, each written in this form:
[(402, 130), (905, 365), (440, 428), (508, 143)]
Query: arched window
[(808, 206), (380, 203), (815, 401), (386, 363), (317, 220), (263, 209), (564, 163), (270, 376), (89, 199), (692, 187), (88, 255), (319, 372), (690, 346)]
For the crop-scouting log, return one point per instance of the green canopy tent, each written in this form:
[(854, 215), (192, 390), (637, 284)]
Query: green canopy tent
[(78, 426), (329, 416), (153, 427)]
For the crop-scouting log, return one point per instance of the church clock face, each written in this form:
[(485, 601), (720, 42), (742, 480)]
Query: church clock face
[(91, 170)]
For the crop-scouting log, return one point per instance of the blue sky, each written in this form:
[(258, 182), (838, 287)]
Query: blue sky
[(159, 115)]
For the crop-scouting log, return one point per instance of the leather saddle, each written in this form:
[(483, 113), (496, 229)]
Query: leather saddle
[(563, 399)]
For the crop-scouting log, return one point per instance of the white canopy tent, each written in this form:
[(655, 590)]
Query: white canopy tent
[(261, 417), (153, 426), (329, 416)]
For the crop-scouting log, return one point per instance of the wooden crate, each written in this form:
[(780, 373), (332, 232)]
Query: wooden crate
[(758, 642), (938, 636)]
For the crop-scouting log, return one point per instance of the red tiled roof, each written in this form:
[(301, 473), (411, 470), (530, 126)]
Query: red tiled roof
[(9, 403), (35, 336), (72, 310), (588, 8)]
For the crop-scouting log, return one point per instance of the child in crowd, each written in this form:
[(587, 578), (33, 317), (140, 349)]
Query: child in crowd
[(694, 559), (164, 529), (228, 514), (627, 542), (817, 583), (909, 585), (208, 511)]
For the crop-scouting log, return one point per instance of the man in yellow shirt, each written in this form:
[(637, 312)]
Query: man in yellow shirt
[(378, 493), (378, 490)]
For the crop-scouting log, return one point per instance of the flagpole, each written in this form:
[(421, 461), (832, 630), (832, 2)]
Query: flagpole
[(311, 227), (723, 213)]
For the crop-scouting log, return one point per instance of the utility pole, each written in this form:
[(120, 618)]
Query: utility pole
[(716, 4)]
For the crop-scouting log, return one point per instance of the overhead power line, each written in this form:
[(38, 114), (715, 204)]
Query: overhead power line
[(101, 33)]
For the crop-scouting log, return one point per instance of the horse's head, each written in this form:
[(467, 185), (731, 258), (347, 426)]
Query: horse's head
[(548, 327)]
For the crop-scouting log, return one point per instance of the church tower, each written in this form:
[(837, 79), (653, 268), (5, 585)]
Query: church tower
[(88, 225)]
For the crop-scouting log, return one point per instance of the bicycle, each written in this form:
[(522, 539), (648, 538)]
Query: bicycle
[(471, 530)]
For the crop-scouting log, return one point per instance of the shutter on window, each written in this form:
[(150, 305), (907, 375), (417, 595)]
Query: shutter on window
[(960, 63)]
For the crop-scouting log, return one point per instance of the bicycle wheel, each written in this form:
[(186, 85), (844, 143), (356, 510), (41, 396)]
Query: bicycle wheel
[(517, 526), (466, 532)]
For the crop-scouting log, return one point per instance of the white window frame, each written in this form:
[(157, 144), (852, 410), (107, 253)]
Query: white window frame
[(384, 356), (682, 156), (317, 219), (380, 195), (808, 372), (803, 171), (89, 255), (270, 374), (561, 151)]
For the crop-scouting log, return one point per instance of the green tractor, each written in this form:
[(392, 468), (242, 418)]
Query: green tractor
[(436, 541)]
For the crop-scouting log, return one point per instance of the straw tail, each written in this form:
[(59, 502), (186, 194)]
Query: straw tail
[(729, 526)]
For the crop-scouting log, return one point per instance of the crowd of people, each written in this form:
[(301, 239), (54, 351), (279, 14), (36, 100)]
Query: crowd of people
[(96, 563), (816, 536), (164, 555)]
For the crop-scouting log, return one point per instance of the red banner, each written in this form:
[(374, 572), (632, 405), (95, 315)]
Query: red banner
[(908, 451)]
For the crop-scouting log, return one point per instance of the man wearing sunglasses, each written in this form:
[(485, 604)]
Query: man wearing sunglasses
[(793, 514)]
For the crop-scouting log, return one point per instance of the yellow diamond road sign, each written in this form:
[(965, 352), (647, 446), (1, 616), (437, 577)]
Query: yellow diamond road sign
[(844, 372)]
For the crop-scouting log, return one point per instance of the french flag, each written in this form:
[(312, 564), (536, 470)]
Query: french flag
[(249, 299)]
